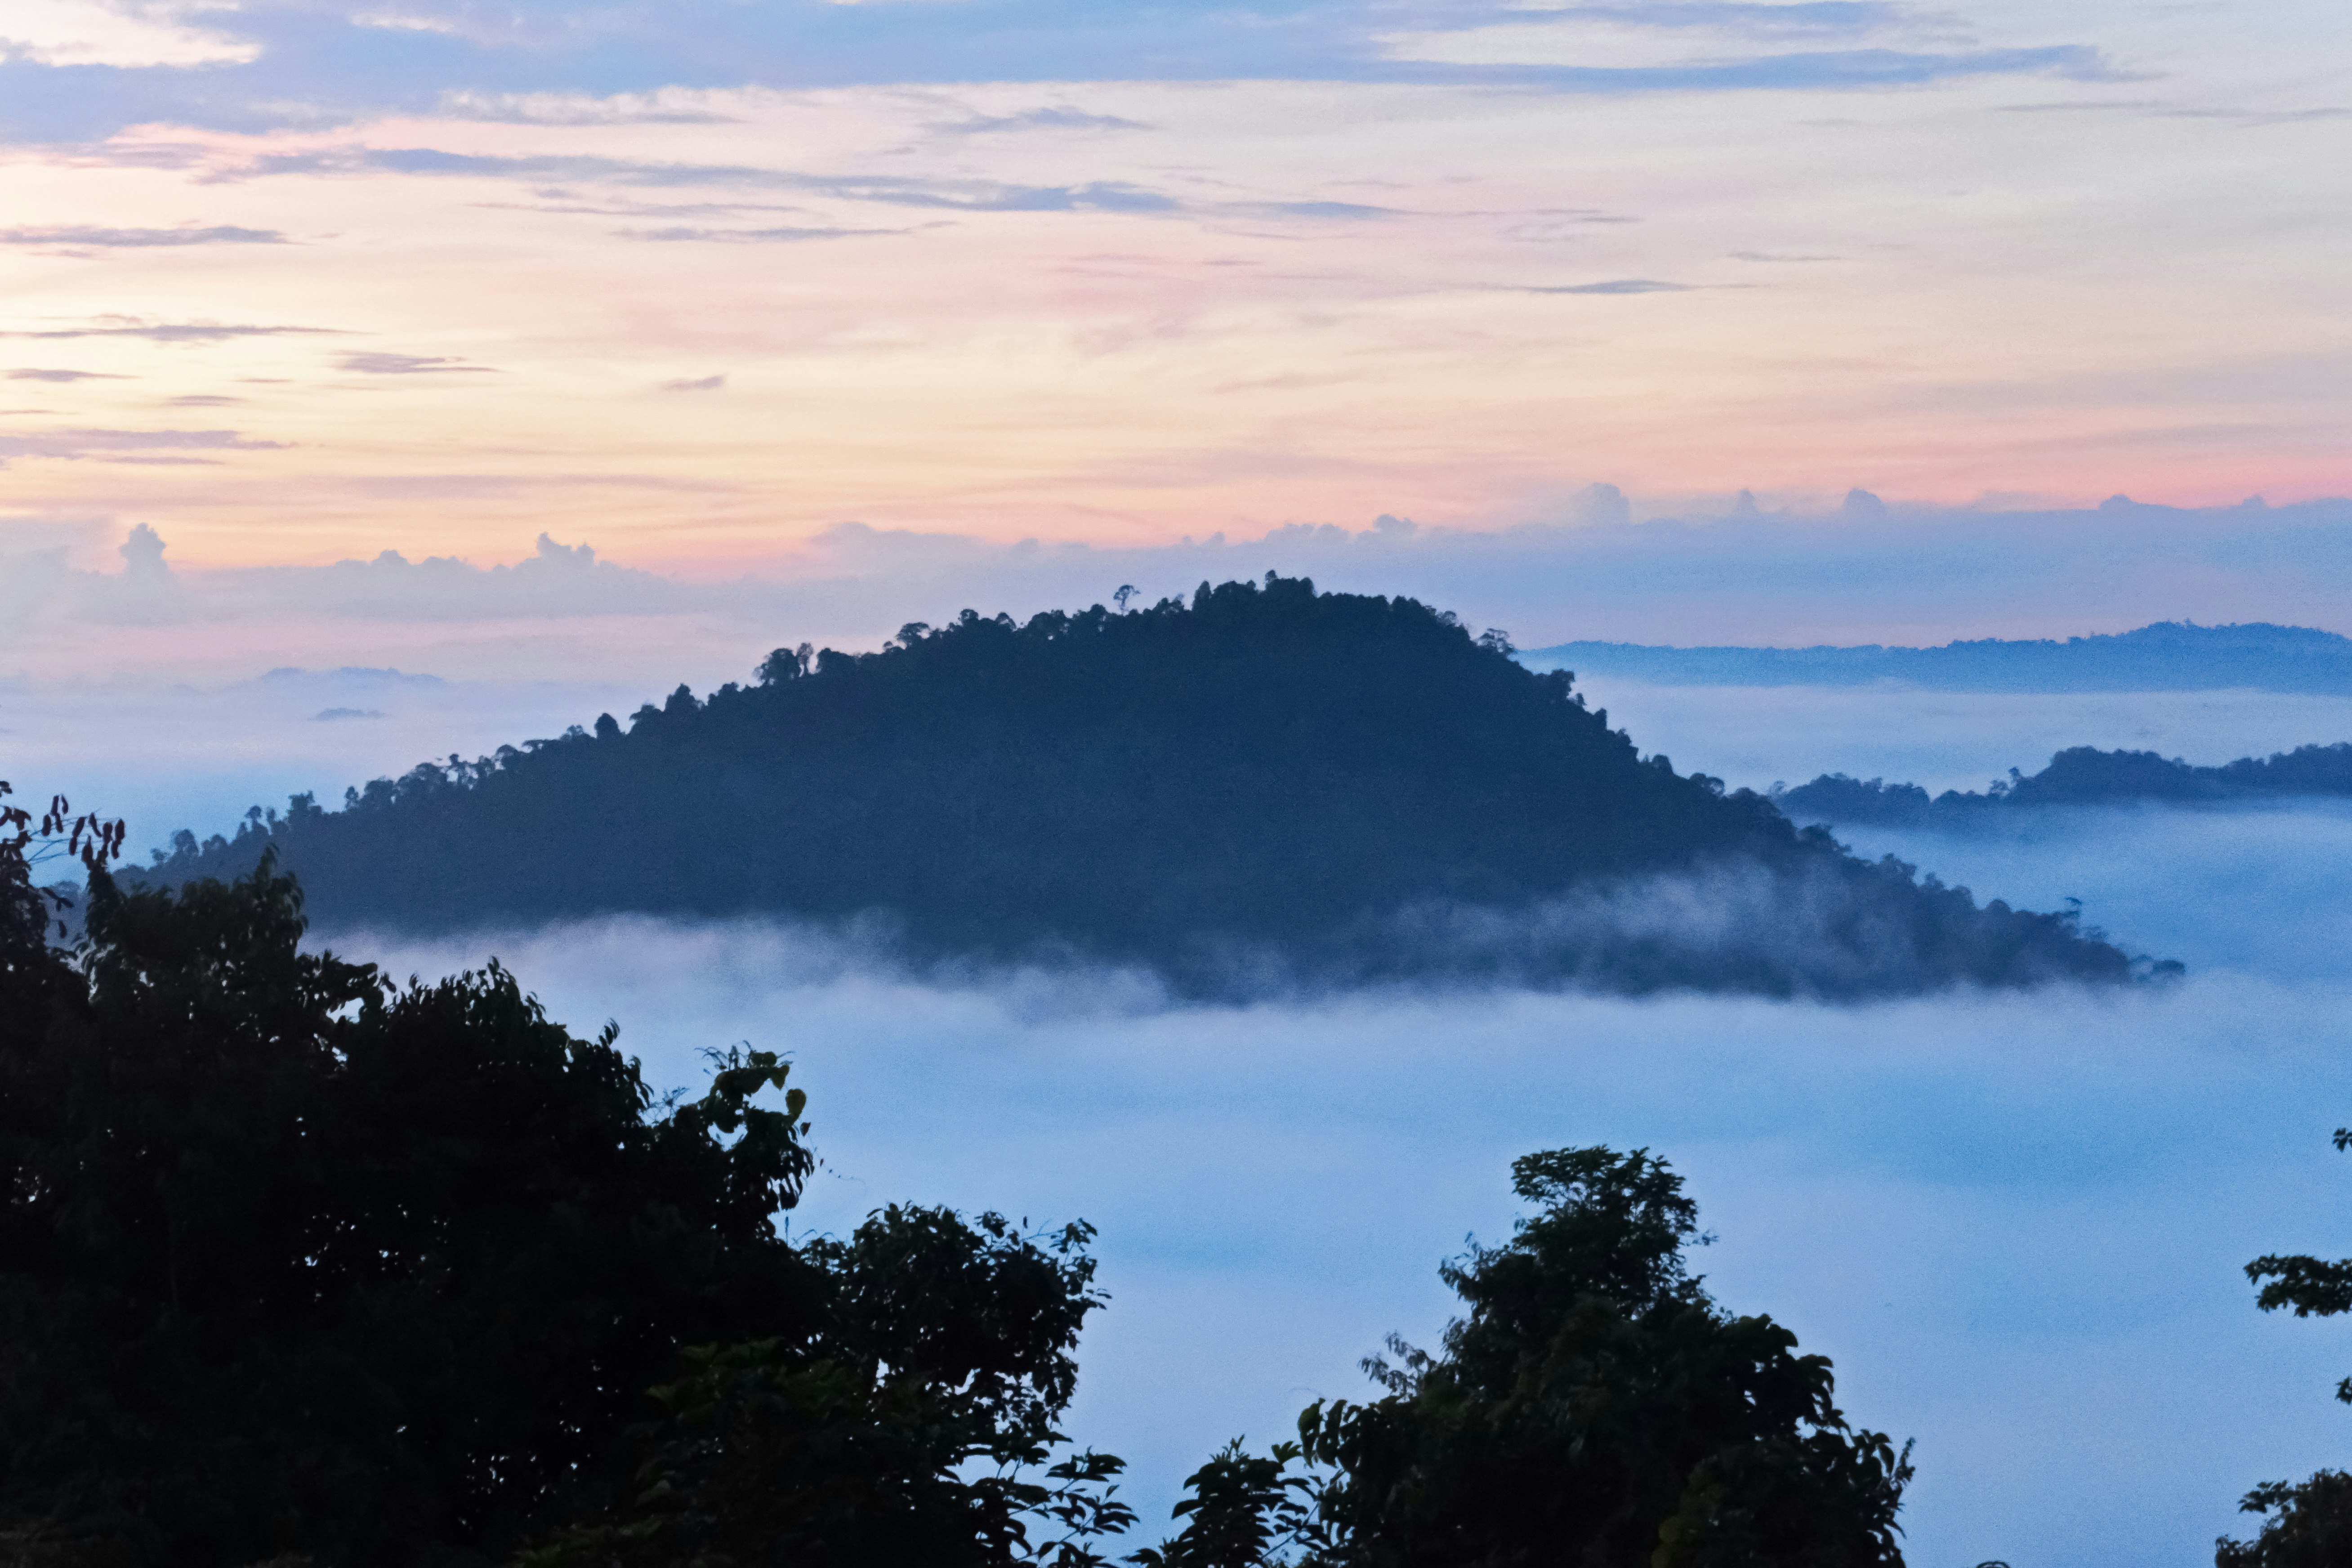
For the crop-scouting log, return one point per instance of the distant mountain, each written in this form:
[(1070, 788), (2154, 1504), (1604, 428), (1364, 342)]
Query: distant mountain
[(2171, 656), (1265, 788), (2080, 775)]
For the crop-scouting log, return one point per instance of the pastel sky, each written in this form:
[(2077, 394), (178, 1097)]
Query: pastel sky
[(699, 280)]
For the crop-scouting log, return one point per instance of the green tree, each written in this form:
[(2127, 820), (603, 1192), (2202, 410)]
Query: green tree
[(1593, 1406), (1242, 1510), (1266, 788), (917, 1427), (299, 1264), (2313, 1528), (295, 1259), (2313, 1522)]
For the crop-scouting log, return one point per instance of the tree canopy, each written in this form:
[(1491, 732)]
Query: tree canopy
[(2079, 775), (297, 1260), (1592, 1405), (2307, 1525), (1265, 780)]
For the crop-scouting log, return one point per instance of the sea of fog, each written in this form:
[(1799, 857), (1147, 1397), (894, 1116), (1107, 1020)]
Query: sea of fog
[(2017, 1223)]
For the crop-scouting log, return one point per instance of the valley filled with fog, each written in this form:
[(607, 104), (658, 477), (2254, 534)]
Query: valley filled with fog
[(2016, 1223)]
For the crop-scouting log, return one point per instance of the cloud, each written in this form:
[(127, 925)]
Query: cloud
[(700, 383), (666, 108), (380, 364), (91, 32), (1345, 211), (2156, 109), (1034, 119), (889, 189), (1800, 573), (64, 375), (70, 445), (168, 332), (1613, 286), (1429, 57), (260, 68), (2093, 1174), (139, 238), (753, 236), (204, 400)]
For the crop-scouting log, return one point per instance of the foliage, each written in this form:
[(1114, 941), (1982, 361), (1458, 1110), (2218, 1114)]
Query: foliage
[(1242, 1510), (27, 842), (1266, 780), (2313, 1527), (1594, 1405), (2079, 775), (294, 1259), (2313, 1287), (906, 1432), (2312, 1530)]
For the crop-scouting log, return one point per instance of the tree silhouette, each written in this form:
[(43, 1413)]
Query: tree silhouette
[(1265, 785), (1593, 1406)]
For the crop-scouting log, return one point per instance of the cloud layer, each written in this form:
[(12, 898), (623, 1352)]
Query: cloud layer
[(1722, 572), (1034, 269), (2016, 1225)]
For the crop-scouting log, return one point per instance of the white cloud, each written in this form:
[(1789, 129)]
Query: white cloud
[(404, 22), (95, 33)]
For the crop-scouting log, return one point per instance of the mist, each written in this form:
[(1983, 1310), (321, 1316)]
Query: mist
[(197, 754), (1706, 570), (1755, 736), (165, 757), (2015, 1222)]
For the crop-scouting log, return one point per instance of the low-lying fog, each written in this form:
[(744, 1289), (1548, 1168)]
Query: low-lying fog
[(1754, 735), (2016, 1223), (168, 757)]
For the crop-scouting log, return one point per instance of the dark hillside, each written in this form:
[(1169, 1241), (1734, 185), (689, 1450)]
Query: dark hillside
[(2080, 775), (2169, 656), (1266, 769)]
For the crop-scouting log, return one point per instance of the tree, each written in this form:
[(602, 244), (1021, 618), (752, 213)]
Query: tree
[(2313, 1287), (35, 974), (1593, 1406), (1242, 1510), (2314, 1524), (293, 1260), (914, 1427), (299, 1264), (2312, 1530), (1267, 788)]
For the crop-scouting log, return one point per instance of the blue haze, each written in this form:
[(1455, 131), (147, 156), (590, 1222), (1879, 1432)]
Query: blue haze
[(2016, 1223)]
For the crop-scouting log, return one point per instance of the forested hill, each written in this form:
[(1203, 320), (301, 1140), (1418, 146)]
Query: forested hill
[(1266, 785), (2169, 656), (2080, 775)]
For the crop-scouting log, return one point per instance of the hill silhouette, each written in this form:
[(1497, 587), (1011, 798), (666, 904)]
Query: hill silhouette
[(1266, 786), (2080, 775), (2169, 656)]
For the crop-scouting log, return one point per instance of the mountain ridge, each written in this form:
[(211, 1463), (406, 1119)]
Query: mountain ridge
[(1266, 787), (2078, 776), (2164, 656)]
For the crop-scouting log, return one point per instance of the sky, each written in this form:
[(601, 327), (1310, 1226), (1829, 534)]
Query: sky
[(383, 379), (701, 284)]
